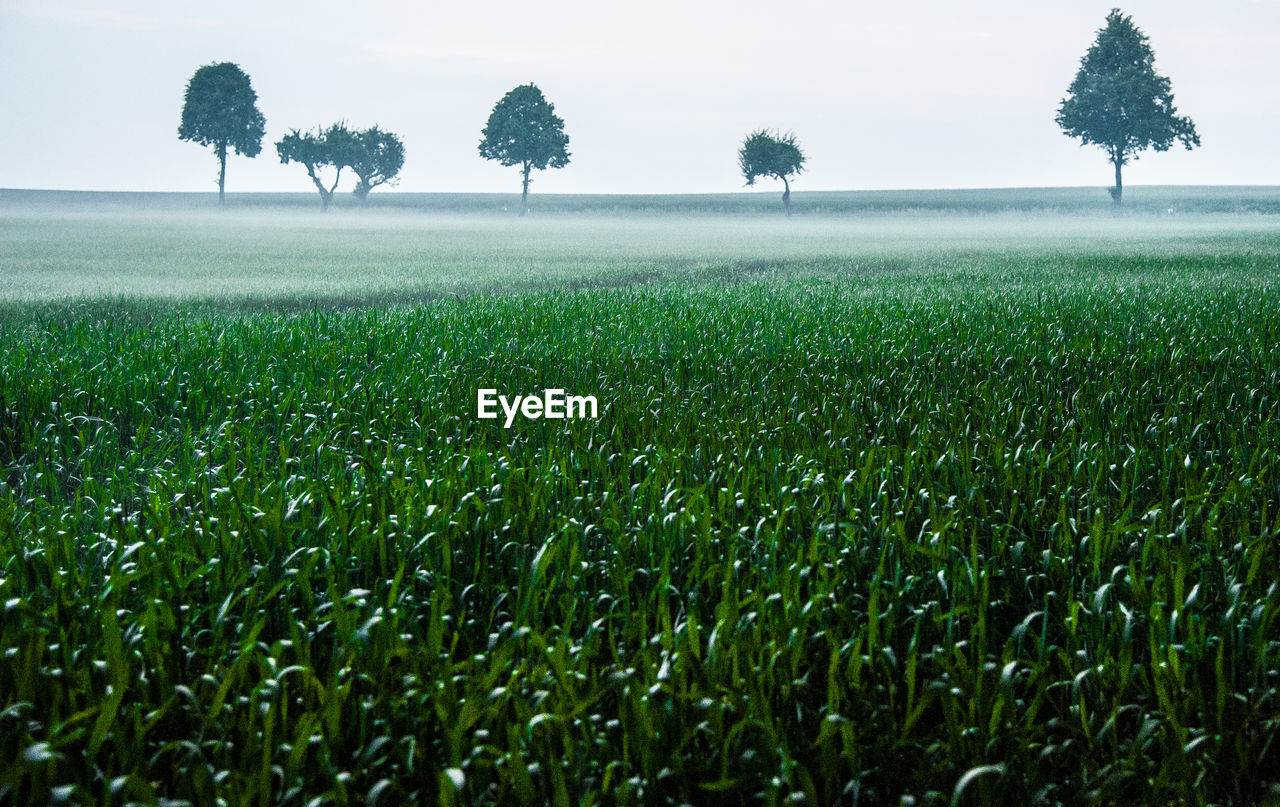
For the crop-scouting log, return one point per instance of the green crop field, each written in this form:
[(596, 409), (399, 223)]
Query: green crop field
[(948, 501)]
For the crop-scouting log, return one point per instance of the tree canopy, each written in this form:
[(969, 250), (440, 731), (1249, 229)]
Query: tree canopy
[(376, 159), (1119, 102), (373, 155), (220, 109), (771, 154), (335, 148), (524, 130)]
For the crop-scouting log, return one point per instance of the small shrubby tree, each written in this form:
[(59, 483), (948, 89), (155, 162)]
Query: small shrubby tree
[(770, 154), (524, 130), (377, 160), (220, 109), (334, 148), (1119, 102), (373, 155)]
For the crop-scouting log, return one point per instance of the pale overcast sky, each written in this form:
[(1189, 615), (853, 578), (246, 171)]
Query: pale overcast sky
[(656, 96)]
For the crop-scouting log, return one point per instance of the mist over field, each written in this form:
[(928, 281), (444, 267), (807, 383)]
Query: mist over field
[(278, 252)]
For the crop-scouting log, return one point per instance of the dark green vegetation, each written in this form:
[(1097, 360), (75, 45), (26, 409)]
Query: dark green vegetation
[(373, 155), (771, 154), (220, 109), (992, 522), (1119, 102), (524, 130)]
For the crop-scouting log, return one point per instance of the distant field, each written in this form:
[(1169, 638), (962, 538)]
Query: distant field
[(943, 503), (1139, 200), (132, 249)]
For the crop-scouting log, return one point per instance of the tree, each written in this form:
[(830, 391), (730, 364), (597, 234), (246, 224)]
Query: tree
[(378, 158), (770, 154), (336, 147), (524, 130), (374, 156), (220, 109), (1119, 102)]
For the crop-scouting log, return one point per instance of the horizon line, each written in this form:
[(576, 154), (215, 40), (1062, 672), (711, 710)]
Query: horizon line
[(794, 192)]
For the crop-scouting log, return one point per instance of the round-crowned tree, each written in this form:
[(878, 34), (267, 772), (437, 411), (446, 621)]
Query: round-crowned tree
[(524, 130), (221, 110), (1119, 102)]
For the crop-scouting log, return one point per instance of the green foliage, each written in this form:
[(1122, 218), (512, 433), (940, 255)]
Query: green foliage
[(376, 160), (771, 154), (336, 147), (1119, 102), (524, 130), (374, 156), (220, 109), (992, 525)]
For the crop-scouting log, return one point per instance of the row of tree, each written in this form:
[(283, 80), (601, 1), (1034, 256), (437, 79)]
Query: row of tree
[(220, 109), (1117, 102)]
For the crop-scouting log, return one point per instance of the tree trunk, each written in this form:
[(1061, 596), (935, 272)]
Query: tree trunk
[(1118, 191), (326, 194), (328, 197), (786, 195), (524, 191), (222, 173)]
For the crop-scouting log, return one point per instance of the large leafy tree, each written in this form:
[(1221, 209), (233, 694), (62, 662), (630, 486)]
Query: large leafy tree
[(1119, 102), (334, 148), (221, 110), (770, 154), (524, 130), (376, 160)]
